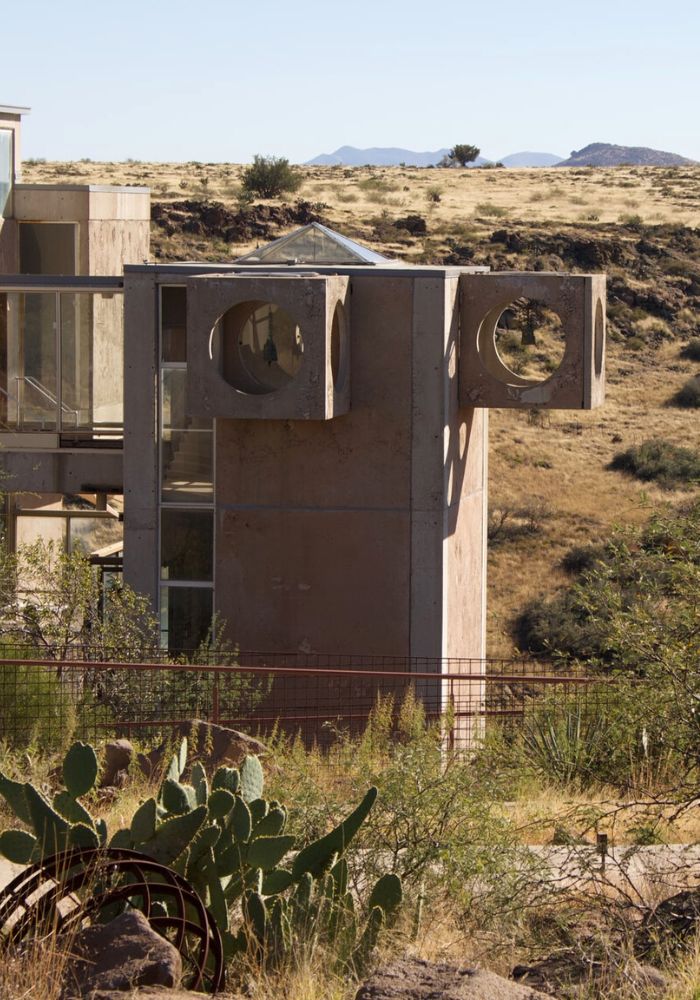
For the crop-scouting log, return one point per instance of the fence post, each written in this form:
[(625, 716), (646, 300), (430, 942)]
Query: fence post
[(215, 700)]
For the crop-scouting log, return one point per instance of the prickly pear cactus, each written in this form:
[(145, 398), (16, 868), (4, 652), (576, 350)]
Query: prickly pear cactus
[(230, 843), (56, 824)]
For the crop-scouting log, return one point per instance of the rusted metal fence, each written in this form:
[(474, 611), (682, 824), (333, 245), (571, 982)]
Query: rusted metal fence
[(321, 698)]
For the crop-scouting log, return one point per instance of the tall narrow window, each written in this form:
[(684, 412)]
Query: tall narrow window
[(186, 490), (6, 168)]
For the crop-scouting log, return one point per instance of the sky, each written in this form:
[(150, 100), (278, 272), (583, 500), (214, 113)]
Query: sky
[(222, 80)]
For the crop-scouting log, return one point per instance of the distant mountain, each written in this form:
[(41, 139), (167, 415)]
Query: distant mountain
[(530, 160), (603, 154), (380, 156)]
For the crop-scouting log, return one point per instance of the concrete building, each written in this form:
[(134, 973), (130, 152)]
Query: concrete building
[(300, 437)]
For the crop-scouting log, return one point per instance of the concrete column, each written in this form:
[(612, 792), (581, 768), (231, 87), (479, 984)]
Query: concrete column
[(141, 486)]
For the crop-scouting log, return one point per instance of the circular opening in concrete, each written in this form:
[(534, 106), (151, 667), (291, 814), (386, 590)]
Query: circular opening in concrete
[(599, 338), (530, 340), (339, 346), (262, 348)]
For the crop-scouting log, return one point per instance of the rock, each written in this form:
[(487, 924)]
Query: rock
[(149, 993), (672, 923), (570, 967), (212, 744), (121, 955), (416, 979), (117, 761)]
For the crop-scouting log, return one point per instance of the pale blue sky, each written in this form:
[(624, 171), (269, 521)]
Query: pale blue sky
[(224, 79)]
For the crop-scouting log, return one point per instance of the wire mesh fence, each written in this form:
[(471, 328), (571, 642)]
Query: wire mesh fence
[(321, 698)]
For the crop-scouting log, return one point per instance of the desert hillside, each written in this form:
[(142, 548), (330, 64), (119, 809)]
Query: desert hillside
[(551, 488)]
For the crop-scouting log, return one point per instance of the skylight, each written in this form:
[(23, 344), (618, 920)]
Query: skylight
[(314, 244)]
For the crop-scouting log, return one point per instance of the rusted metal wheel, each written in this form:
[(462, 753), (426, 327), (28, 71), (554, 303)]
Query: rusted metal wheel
[(82, 886)]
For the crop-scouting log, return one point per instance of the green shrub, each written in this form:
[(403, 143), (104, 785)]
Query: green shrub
[(37, 707), (436, 822), (659, 460), (691, 350), (270, 176), (489, 209), (582, 557), (688, 396)]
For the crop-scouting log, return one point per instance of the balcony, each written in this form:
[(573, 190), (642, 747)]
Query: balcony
[(61, 362)]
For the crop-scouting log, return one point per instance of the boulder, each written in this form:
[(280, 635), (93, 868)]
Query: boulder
[(149, 993), (569, 968), (118, 756), (212, 744), (673, 923), (416, 979), (121, 955)]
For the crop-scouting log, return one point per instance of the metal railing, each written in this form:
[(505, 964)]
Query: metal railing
[(319, 698)]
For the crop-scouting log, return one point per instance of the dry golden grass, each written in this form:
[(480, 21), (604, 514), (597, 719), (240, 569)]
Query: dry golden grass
[(479, 198)]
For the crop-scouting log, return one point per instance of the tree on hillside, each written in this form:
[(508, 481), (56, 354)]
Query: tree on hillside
[(463, 154), (270, 176)]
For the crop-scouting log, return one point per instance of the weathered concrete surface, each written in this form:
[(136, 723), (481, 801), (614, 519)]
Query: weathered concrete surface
[(653, 872), (310, 300), (416, 979), (579, 381)]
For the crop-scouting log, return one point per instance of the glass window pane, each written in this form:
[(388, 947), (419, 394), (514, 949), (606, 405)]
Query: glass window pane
[(31, 360), (187, 543), (187, 458), (173, 323), (174, 386), (92, 535), (40, 529), (186, 614), (6, 168), (92, 361)]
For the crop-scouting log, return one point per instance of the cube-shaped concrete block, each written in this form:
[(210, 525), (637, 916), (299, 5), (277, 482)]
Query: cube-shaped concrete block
[(268, 346), (579, 300)]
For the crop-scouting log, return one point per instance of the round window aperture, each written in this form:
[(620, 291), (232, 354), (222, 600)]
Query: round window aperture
[(530, 341), (262, 347)]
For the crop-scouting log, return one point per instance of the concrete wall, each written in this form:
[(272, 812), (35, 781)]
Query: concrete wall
[(61, 471), (113, 222), (8, 229), (365, 533), (141, 484)]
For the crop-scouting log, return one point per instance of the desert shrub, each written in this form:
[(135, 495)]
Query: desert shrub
[(635, 617), (436, 822), (691, 350), (659, 460), (270, 176), (434, 195), (377, 186), (414, 224), (637, 570), (582, 557), (507, 523), (38, 707), (688, 396), (489, 209)]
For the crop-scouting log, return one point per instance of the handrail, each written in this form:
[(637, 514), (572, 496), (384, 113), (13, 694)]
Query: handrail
[(47, 394)]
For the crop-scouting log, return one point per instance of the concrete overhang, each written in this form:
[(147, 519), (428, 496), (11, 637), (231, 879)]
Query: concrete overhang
[(16, 110)]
